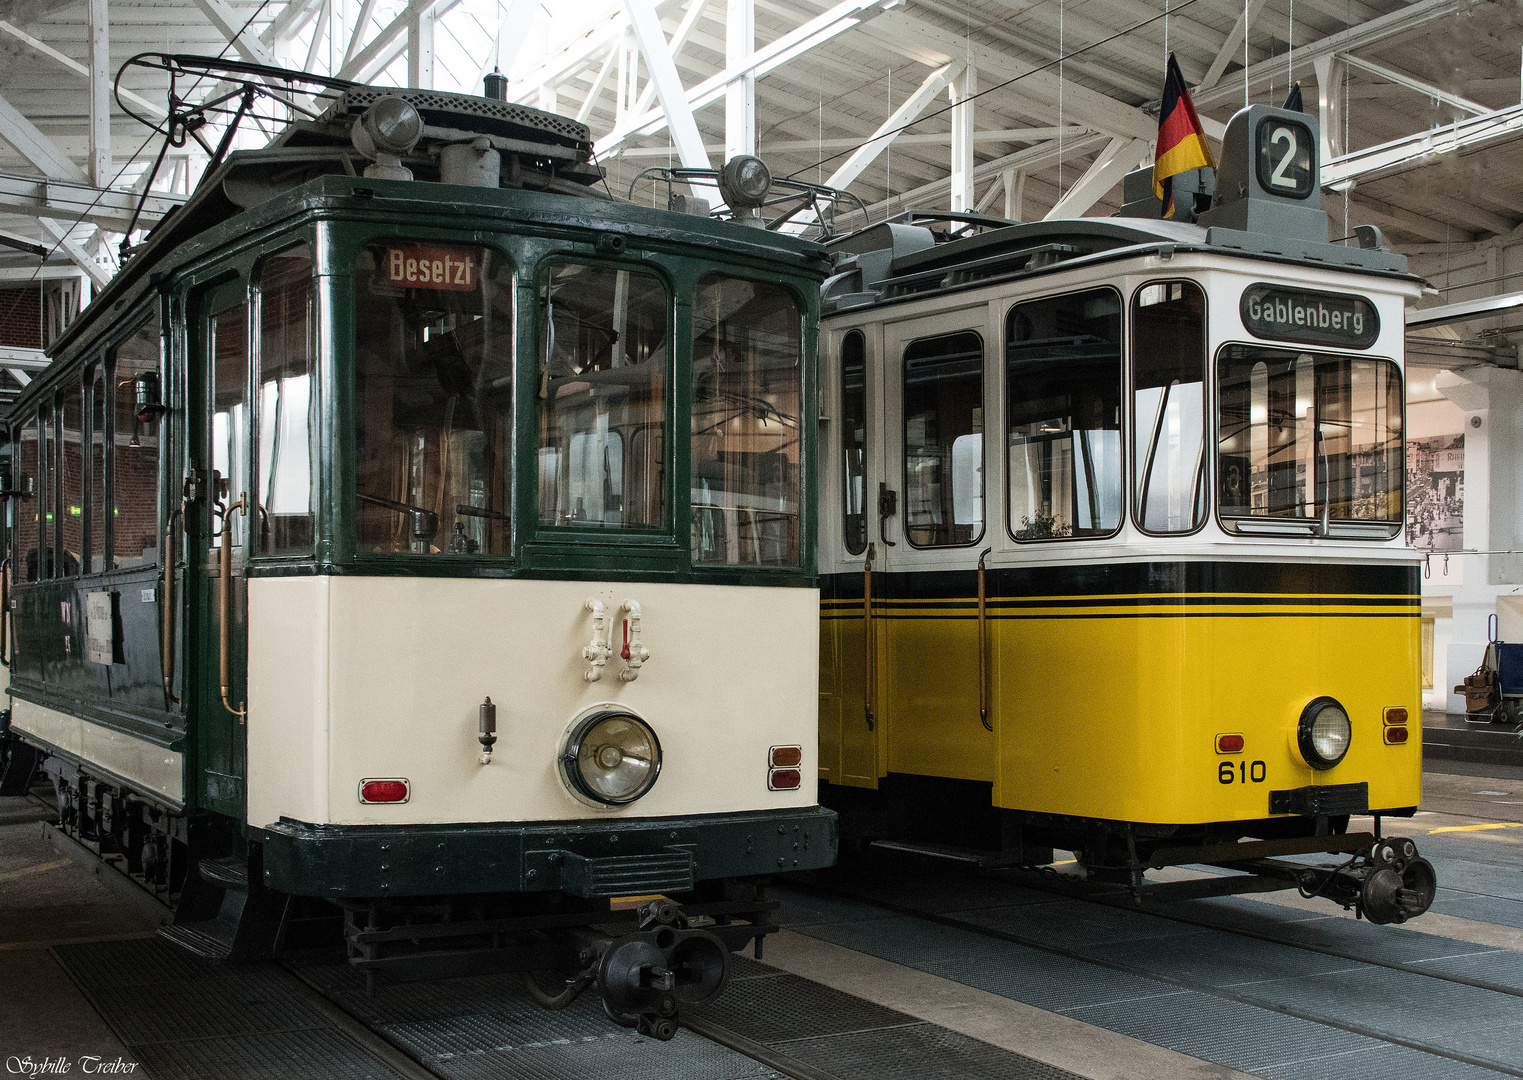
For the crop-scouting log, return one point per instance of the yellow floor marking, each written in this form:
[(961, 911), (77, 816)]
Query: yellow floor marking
[(39, 868), (14, 946), (1065, 862), (1478, 828)]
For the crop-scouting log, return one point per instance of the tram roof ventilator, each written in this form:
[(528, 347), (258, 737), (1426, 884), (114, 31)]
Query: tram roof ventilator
[(1234, 210)]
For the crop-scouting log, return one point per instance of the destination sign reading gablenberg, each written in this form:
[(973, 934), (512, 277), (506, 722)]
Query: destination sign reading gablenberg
[(1315, 318)]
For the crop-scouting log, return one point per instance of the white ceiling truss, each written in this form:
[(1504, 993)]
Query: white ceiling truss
[(1026, 108)]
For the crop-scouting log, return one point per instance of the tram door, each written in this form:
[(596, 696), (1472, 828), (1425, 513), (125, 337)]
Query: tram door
[(217, 528), (932, 526), (848, 726)]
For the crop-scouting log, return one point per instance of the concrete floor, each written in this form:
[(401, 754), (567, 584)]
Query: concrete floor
[(48, 898)]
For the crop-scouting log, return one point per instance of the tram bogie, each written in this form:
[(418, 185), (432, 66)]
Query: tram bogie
[(1164, 612), (366, 560)]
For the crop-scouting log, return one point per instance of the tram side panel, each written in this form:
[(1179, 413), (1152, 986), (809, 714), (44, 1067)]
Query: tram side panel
[(389, 681)]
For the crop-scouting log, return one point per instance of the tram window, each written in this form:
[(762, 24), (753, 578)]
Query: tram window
[(287, 346), (854, 440), (230, 417), (1303, 432), (1169, 406), (71, 507), (746, 477), (99, 403), (1063, 377), (433, 399), (943, 440), (602, 381), (135, 455), (51, 524), (30, 511), (1359, 412)]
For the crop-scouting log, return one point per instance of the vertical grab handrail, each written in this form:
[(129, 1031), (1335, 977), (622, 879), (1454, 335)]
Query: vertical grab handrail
[(869, 693), (167, 610), (224, 603), (983, 646), (5, 612)]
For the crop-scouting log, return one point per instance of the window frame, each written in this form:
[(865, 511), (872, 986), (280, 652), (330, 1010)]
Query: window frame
[(1375, 531), (665, 534), (840, 442), (315, 400), (902, 512), (1123, 347), (337, 481), (1209, 424), (808, 419)]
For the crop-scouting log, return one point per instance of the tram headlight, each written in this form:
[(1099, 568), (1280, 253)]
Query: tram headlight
[(612, 757), (1324, 733)]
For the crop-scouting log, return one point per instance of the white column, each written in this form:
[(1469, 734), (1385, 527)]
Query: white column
[(420, 48), (99, 166), (740, 94), (961, 91), (1015, 190), (549, 97), (1329, 106)]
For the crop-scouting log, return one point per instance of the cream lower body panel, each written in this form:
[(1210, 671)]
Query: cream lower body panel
[(150, 768), (365, 677)]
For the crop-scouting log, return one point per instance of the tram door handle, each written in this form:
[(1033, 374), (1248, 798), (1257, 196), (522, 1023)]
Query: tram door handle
[(888, 506), (167, 612), (224, 606), (869, 664)]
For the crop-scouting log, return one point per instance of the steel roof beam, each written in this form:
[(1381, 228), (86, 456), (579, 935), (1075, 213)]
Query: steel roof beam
[(1423, 148), (675, 102), (1426, 89), (1104, 173), (76, 253), (1232, 48), (71, 63), (36, 147), (78, 201)]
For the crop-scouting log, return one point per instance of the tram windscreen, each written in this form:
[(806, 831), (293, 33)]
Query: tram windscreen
[(746, 479), (1303, 433), (602, 411), (433, 364), (1063, 378)]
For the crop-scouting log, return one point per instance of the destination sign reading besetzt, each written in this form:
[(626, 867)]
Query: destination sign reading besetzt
[(431, 268), (1313, 318)]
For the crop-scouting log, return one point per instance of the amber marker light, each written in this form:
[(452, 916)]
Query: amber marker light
[(1229, 744), (1396, 735), (1396, 716), (385, 791), (785, 757)]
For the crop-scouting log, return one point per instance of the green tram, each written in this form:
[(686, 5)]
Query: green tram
[(440, 548)]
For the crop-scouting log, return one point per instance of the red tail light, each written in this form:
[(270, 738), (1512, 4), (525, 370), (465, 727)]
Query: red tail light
[(1229, 744), (786, 757), (1395, 736), (1396, 716), (784, 779), (384, 791)]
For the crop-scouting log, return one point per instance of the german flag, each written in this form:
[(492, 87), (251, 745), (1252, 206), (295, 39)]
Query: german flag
[(1182, 142)]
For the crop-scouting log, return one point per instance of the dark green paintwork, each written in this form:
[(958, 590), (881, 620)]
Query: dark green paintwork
[(424, 860), (337, 215)]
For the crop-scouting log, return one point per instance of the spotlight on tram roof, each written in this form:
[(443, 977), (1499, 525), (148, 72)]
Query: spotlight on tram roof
[(744, 182), (387, 130)]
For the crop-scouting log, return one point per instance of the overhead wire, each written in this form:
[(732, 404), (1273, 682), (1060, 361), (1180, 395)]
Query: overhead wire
[(998, 86)]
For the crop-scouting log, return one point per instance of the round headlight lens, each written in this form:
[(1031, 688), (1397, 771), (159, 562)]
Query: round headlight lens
[(612, 757), (744, 182), (1324, 733)]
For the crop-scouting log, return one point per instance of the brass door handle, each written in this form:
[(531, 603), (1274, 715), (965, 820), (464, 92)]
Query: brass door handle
[(5, 612), (869, 692), (167, 610), (983, 647), (224, 604)]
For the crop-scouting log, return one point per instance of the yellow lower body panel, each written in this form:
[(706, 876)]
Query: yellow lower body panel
[(1109, 705)]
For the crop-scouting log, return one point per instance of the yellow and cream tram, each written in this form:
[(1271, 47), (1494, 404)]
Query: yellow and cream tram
[(1112, 553)]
